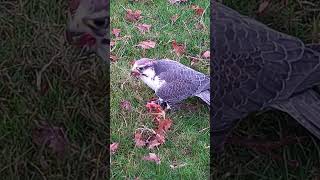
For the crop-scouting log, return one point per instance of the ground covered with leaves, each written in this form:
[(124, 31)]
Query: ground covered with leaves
[(52, 101), (179, 143), (285, 150)]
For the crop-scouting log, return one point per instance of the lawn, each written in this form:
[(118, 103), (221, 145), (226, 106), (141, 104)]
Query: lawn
[(188, 140), (299, 160), (43, 79)]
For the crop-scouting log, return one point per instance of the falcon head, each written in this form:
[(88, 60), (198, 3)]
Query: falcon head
[(143, 68), (87, 26)]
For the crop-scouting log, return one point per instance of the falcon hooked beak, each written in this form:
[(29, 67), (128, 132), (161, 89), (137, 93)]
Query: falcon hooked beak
[(142, 67)]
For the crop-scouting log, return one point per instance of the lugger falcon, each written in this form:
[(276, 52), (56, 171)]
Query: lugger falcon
[(172, 81)]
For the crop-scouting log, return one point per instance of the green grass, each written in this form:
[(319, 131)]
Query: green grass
[(244, 163), (188, 139), (32, 38)]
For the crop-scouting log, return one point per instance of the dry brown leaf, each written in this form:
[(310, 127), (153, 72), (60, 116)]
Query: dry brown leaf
[(125, 105), (164, 125), (116, 32), (152, 157), (198, 10), (206, 55), (113, 58), (263, 6), (52, 136), (179, 49), (156, 140), (147, 44), (143, 28), (139, 140), (114, 147), (133, 16), (174, 18)]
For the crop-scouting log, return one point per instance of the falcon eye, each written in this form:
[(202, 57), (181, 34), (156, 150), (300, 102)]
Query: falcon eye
[(140, 68)]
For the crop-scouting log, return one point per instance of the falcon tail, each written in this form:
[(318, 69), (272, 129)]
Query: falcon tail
[(305, 108), (205, 96)]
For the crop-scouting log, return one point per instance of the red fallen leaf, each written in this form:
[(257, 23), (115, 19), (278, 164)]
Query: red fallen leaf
[(52, 136), (177, 1), (152, 157), (263, 6), (114, 147), (198, 10), (156, 140), (153, 107), (133, 16), (179, 49), (143, 28), (116, 32), (164, 125), (125, 105), (174, 18), (113, 58), (139, 140), (206, 55), (147, 44)]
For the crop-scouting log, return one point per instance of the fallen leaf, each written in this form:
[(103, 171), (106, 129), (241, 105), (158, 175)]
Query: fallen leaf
[(194, 61), (133, 16), (156, 140), (177, 1), (125, 105), (139, 140), (174, 18), (143, 28), (263, 6), (113, 58), (179, 49), (116, 32), (206, 55), (114, 147), (152, 157), (198, 10), (52, 136), (147, 44), (164, 125), (199, 26), (112, 43)]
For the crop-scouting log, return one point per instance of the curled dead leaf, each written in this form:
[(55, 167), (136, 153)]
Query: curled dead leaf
[(147, 44), (133, 16), (179, 49), (143, 28), (152, 157), (125, 105)]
